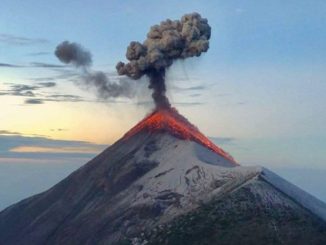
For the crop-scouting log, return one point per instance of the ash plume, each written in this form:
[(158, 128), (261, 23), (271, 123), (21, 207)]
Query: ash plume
[(171, 40), (107, 89), (76, 55), (73, 53)]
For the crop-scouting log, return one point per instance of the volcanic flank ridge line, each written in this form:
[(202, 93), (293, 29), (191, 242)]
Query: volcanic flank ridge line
[(168, 120)]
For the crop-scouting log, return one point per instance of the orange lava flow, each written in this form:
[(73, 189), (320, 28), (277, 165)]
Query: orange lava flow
[(169, 120)]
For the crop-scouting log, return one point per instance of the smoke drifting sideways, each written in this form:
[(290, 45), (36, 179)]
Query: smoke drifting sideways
[(169, 41), (76, 55)]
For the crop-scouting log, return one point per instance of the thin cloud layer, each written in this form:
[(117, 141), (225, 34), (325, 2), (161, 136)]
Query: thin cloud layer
[(58, 129), (32, 65), (37, 96), (191, 88), (16, 145), (26, 90), (38, 53), (47, 84), (9, 65), (57, 98), (34, 101), (45, 65), (7, 132), (20, 41)]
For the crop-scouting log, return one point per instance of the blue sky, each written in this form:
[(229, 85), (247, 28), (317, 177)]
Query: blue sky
[(261, 85)]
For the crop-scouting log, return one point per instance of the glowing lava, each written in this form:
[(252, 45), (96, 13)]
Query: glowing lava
[(170, 121)]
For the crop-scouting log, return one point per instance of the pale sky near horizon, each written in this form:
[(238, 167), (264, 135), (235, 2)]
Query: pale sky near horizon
[(259, 90)]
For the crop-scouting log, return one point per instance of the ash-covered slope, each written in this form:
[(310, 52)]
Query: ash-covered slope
[(159, 174)]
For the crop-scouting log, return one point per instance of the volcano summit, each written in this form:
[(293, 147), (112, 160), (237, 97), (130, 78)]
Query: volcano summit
[(170, 121), (165, 183)]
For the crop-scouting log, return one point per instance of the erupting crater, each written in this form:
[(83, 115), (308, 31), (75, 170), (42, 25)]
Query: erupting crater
[(170, 121)]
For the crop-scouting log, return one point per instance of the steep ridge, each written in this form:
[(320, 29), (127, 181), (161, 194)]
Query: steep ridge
[(303, 198), (255, 213)]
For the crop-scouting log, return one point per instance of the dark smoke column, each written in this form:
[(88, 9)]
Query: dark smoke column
[(165, 43)]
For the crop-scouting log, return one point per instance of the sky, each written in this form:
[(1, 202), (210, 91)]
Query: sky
[(259, 91)]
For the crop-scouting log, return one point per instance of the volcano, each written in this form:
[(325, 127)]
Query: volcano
[(170, 121), (164, 182)]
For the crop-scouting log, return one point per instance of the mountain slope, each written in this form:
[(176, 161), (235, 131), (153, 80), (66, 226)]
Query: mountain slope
[(155, 176), (256, 213)]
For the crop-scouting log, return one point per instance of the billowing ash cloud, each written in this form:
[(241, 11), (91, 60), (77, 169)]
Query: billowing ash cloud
[(75, 54), (165, 43)]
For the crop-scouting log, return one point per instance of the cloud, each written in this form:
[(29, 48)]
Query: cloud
[(24, 94), (23, 87), (45, 65), (192, 88), (200, 87), (190, 91), (16, 145), (37, 79), (34, 101), (31, 65), (47, 84), (20, 41), (58, 98), (39, 96), (58, 129), (25, 90), (42, 149), (64, 98), (9, 65), (7, 132), (20, 90), (38, 53)]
